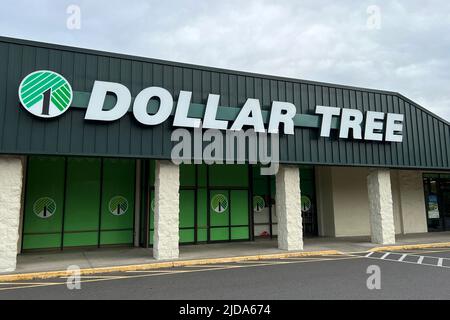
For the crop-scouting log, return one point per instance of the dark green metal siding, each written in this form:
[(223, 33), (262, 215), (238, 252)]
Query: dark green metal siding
[(426, 137)]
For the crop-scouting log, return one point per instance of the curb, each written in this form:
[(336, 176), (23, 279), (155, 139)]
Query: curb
[(182, 263), (159, 265), (411, 246)]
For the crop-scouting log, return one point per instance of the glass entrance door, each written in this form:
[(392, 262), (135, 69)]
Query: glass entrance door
[(264, 209), (437, 199), (213, 203), (445, 187)]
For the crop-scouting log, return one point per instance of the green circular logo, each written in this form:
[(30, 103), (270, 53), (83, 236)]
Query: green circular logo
[(44, 207), (305, 203), (118, 205), (219, 203), (45, 94), (258, 203)]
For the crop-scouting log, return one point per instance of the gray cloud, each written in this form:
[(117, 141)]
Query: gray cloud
[(317, 40)]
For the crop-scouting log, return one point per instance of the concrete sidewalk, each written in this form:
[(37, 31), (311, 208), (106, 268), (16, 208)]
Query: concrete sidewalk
[(109, 257)]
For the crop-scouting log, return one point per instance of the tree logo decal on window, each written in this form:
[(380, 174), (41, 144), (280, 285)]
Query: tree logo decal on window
[(44, 207), (118, 205), (306, 203), (45, 94), (219, 203), (258, 203)]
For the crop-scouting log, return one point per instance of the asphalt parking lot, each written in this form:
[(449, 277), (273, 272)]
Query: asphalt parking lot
[(408, 274)]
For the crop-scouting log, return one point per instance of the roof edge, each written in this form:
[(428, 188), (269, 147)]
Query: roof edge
[(211, 69), (418, 106), (182, 64)]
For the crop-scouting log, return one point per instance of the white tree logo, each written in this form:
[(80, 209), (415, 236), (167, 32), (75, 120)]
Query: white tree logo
[(118, 205), (258, 203), (44, 207), (219, 203), (45, 94)]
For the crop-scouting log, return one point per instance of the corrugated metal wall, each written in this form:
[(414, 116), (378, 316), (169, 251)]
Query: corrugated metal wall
[(426, 140)]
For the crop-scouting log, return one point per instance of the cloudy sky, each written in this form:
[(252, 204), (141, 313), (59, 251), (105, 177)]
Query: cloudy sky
[(400, 46)]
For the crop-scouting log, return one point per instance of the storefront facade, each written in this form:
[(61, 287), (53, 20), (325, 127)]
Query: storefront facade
[(104, 190), (78, 172)]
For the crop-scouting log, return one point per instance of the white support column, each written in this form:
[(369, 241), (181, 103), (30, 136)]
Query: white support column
[(166, 237), (287, 201), (380, 206), (10, 203)]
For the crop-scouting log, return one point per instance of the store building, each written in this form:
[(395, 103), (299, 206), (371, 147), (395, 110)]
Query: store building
[(80, 167)]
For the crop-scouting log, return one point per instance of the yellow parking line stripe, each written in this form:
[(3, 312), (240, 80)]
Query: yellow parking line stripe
[(152, 271), (257, 262), (27, 283), (160, 265), (148, 273), (209, 266), (91, 277), (33, 286)]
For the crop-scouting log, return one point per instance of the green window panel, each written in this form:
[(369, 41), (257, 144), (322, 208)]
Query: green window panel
[(116, 237), (239, 215), (228, 175), (219, 234), (220, 214), (307, 173), (187, 175), (202, 234), (187, 215), (82, 207), (117, 219), (44, 205), (229, 206), (41, 241), (187, 235), (152, 217), (240, 233), (147, 183), (201, 175), (151, 207), (261, 217), (151, 235), (239, 207), (307, 187), (80, 238), (260, 186), (260, 182), (152, 173), (219, 208), (202, 215), (142, 215)]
